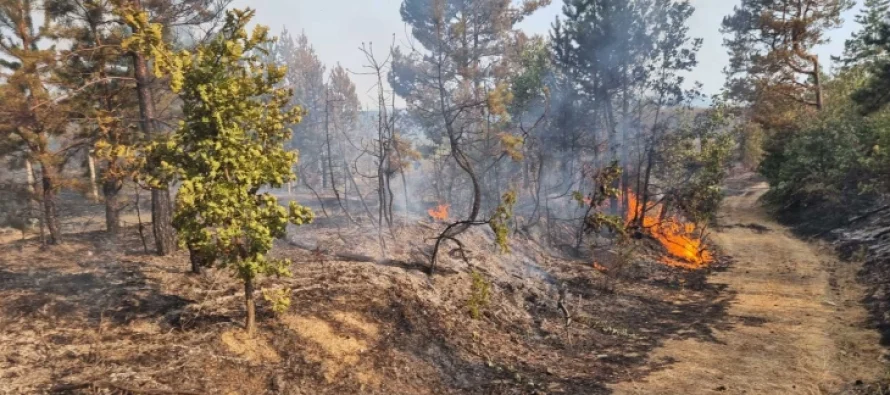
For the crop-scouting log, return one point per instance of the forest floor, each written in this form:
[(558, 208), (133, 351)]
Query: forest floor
[(807, 331), (774, 315)]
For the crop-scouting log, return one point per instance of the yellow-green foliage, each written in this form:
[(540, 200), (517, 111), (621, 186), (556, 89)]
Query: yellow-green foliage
[(500, 220), (229, 146), (279, 299), (148, 39), (480, 295)]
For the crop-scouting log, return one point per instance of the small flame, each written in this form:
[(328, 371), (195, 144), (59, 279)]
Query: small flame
[(440, 212), (685, 248), (599, 268)]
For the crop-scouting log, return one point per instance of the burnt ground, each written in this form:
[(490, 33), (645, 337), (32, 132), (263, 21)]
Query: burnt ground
[(779, 316), (97, 317)]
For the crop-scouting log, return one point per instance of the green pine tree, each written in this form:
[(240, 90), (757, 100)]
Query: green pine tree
[(861, 48), (229, 146)]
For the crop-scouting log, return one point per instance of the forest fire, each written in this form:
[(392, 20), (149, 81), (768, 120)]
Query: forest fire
[(440, 212), (679, 238)]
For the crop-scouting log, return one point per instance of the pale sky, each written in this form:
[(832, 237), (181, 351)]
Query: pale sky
[(336, 28)]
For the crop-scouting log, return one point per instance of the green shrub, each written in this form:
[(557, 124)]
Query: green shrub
[(480, 295)]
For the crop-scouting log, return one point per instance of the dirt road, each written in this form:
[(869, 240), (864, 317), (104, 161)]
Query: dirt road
[(798, 326)]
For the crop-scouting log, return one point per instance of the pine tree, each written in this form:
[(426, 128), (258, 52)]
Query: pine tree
[(457, 83), (861, 48), (772, 46), (35, 117), (773, 65), (305, 75), (628, 59), (150, 23), (228, 147), (96, 67), (876, 94), (340, 118)]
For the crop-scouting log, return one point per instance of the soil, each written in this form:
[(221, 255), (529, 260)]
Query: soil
[(773, 315), (801, 326)]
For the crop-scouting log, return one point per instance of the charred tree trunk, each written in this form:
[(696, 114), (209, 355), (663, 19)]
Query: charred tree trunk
[(644, 201)]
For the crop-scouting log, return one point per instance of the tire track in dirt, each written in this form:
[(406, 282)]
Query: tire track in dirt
[(798, 324)]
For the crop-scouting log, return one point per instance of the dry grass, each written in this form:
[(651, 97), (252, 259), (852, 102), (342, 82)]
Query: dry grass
[(253, 349), (336, 351)]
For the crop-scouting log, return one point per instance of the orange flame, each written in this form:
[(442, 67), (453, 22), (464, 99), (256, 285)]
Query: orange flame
[(599, 268), (440, 212), (685, 248)]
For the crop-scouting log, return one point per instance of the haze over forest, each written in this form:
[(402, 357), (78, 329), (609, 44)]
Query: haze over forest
[(337, 28), (445, 197)]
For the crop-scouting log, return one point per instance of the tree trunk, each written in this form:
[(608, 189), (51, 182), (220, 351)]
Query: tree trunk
[(250, 306), (34, 203), (110, 190), (161, 217), (49, 204), (94, 187), (644, 202), (817, 77), (29, 168), (613, 149), (197, 260)]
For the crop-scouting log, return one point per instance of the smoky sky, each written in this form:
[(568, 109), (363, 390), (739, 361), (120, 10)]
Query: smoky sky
[(337, 28)]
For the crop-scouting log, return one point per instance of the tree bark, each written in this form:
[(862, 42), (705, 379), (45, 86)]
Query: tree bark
[(49, 204), (198, 260), (110, 190), (161, 217), (94, 186), (250, 306)]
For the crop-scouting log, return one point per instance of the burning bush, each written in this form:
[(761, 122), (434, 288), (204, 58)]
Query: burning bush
[(680, 239)]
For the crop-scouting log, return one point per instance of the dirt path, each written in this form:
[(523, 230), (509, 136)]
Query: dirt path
[(798, 326)]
